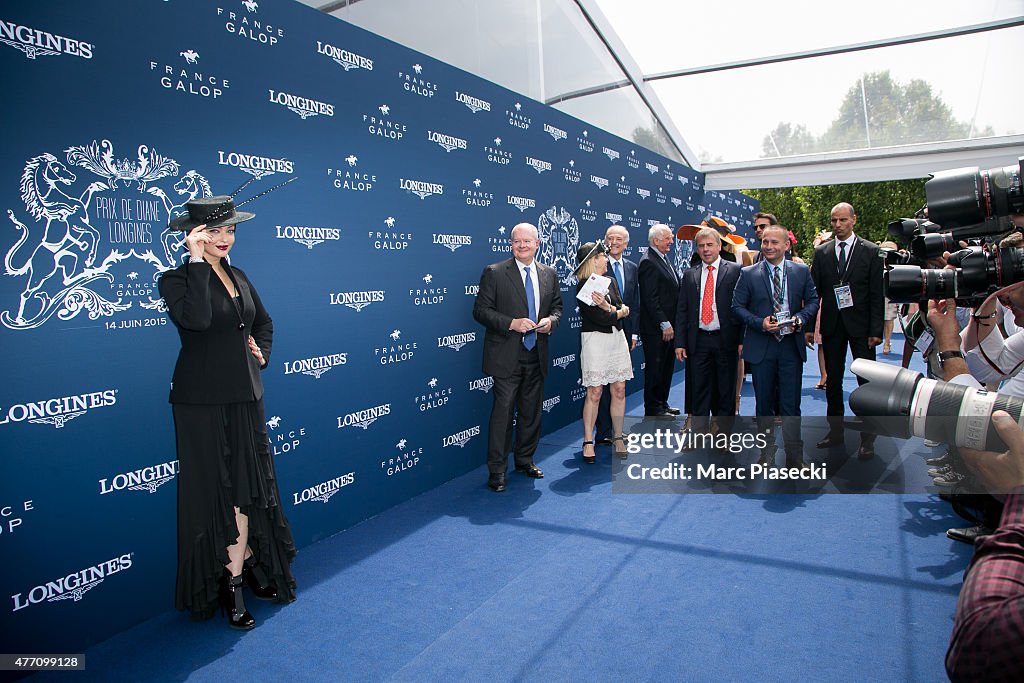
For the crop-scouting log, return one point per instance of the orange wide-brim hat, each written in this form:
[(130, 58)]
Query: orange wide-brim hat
[(725, 229)]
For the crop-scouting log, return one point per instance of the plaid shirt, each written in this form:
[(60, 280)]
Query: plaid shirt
[(988, 633)]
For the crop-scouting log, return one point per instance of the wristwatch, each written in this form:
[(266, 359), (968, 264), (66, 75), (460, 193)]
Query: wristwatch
[(946, 355)]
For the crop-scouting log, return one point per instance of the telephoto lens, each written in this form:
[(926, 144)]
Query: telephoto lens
[(898, 402), (910, 284), (964, 196)]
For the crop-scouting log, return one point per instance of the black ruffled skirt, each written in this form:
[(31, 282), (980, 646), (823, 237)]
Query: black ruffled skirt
[(225, 462)]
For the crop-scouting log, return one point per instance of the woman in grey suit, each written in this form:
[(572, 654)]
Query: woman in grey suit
[(230, 520)]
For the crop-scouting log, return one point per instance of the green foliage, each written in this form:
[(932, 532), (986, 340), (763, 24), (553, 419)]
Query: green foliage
[(806, 210)]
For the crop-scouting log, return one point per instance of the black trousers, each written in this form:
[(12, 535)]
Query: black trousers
[(835, 346), (520, 395), (660, 358), (712, 371)]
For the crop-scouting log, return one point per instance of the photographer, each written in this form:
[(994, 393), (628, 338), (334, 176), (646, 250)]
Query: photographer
[(988, 630)]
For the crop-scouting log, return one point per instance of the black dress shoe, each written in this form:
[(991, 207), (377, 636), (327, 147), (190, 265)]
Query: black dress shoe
[(496, 482), (659, 413), (257, 580), (531, 471), (968, 535), (865, 452), (671, 411), (830, 441)]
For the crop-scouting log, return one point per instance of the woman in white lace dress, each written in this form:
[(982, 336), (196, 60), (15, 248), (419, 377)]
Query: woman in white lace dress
[(604, 356)]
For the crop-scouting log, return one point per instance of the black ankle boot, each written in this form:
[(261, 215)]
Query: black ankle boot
[(257, 580), (238, 617)]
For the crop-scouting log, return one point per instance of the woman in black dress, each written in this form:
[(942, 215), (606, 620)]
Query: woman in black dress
[(231, 527)]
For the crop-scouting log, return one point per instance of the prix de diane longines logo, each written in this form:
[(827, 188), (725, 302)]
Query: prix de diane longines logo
[(73, 586), (36, 42), (95, 242), (245, 23), (58, 411), (559, 240)]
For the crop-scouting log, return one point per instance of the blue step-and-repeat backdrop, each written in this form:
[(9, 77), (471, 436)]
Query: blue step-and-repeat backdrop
[(410, 175)]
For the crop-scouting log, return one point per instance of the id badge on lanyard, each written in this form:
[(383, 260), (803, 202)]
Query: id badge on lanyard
[(844, 297)]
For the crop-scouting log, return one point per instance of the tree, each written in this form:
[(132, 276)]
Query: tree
[(788, 140)]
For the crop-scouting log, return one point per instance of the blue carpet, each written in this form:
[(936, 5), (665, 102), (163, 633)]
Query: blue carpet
[(559, 579)]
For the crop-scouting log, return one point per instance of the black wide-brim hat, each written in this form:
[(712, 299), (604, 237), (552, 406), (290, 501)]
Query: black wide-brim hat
[(215, 212), (588, 251)]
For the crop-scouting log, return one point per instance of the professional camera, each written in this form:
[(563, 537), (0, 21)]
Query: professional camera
[(976, 273), (929, 240), (968, 196), (902, 403), (898, 257)]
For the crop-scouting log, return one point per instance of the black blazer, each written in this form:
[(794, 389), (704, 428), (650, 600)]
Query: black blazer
[(594, 318), (659, 293), (215, 364), (864, 275), (630, 296), (501, 298), (687, 320)]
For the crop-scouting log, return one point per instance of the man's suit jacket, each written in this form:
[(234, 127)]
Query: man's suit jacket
[(630, 296), (659, 293), (752, 303), (502, 297), (864, 275), (687, 320), (215, 364)]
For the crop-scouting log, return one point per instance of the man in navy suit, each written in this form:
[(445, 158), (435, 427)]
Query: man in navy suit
[(519, 304), (616, 239), (659, 293), (707, 334), (768, 292)]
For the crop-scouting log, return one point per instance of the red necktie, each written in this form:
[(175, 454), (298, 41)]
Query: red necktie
[(706, 314)]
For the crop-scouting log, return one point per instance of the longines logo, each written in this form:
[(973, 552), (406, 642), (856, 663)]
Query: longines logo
[(349, 177), (584, 143), (383, 126), (472, 290), (559, 239), (644, 194), (483, 384), (357, 300), (323, 491), (550, 403), (563, 361), (407, 458), (35, 42), (455, 342), (538, 165), (460, 439), (305, 235), (632, 161), (434, 398), (73, 586), (570, 173), (285, 440), (621, 186), (254, 165), (428, 296), (556, 133), (416, 85), (248, 26), (345, 59), (587, 213), (421, 188), (58, 411), (303, 106), (318, 365), (144, 479), (496, 155), (517, 118), (475, 196), (397, 352), (452, 242), (599, 181), (475, 104), (610, 153), (651, 168), (445, 141), (364, 418), (521, 203), (613, 217), (676, 201), (684, 180), (188, 80), (390, 239)]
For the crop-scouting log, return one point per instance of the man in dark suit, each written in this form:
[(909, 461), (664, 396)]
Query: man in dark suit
[(766, 293), (707, 334), (616, 239), (520, 305), (659, 292), (848, 275)]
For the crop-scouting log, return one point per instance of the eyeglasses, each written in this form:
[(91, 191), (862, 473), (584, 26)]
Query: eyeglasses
[(761, 226)]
